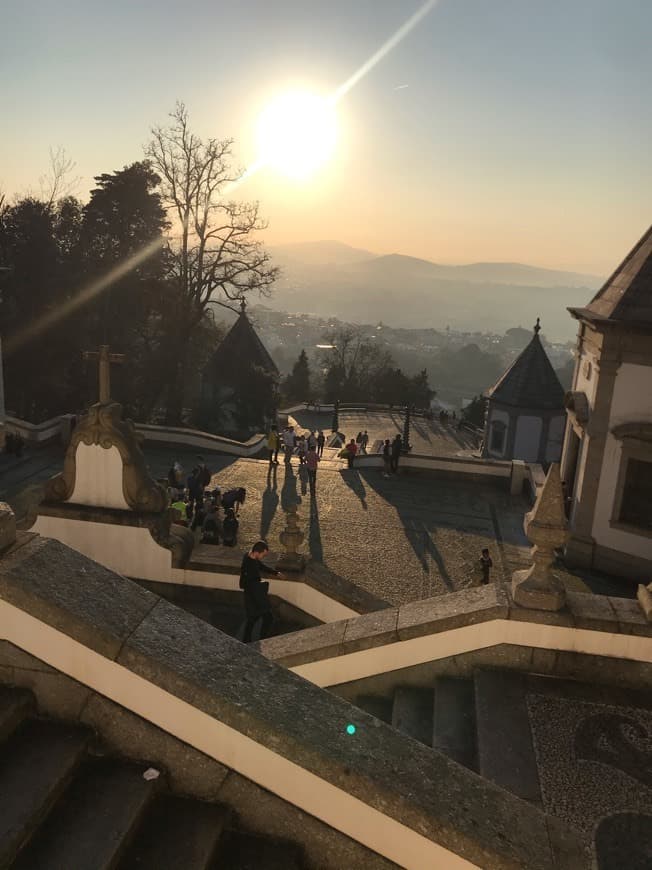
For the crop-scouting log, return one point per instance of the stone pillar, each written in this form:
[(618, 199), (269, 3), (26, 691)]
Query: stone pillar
[(291, 539), (547, 527)]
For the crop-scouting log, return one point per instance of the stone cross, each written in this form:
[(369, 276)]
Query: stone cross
[(105, 359), (547, 527)]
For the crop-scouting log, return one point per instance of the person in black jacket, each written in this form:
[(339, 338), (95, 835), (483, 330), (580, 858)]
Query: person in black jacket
[(256, 598)]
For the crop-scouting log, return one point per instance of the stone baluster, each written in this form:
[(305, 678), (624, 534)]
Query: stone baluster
[(547, 528), (291, 539)]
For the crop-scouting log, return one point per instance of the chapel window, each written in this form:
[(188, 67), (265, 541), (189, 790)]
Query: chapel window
[(636, 503), (497, 437)]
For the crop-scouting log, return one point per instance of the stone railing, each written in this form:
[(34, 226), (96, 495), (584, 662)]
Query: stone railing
[(182, 437), (466, 465), (592, 635), (35, 434), (261, 721)]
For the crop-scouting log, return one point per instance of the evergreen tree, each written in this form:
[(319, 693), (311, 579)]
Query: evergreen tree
[(296, 387)]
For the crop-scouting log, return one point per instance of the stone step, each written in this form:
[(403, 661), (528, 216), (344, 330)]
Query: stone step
[(15, 706), (505, 749), (454, 729), (376, 705), (36, 764), (177, 834), (412, 712), (242, 851), (93, 821)]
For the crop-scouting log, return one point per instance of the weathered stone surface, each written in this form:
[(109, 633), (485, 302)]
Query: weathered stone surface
[(73, 594), (371, 629), (7, 526), (452, 611), (58, 696), (631, 619), (535, 593), (321, 642), (590, 611), (188, 771), (265, 813)]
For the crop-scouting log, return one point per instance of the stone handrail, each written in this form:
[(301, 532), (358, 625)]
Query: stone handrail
[(177, 435), (264, 722), (458, 623)]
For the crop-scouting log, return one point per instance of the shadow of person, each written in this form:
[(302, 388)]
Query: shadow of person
[(269, 503), (289, 494), (315, 547), (352, 479)]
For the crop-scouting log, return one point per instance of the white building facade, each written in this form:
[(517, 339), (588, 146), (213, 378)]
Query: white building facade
[(607, 456)]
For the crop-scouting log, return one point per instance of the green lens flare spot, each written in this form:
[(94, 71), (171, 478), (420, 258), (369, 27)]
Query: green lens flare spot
[(351, 729)]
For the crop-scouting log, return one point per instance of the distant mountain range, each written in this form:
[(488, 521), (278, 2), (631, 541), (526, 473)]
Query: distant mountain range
[(330, 278)]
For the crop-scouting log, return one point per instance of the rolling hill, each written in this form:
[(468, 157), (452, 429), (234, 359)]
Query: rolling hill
[(333, 279)]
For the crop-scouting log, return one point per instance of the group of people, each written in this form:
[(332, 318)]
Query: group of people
[(391, 454), (199, 507), (294, 445)]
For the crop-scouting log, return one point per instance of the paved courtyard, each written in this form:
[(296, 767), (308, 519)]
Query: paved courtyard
[(403, 538), (428, 437)]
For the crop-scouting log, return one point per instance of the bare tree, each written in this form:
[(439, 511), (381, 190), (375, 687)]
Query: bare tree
[(58, 182), (213, 253)]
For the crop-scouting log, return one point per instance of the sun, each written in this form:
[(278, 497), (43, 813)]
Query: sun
[(297, 133)]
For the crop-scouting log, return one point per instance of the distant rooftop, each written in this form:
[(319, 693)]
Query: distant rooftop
[(530, 381)]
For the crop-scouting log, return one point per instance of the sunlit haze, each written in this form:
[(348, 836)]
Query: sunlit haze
[(503, 131)]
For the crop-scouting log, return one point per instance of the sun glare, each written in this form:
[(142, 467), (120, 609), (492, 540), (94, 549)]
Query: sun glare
[(297, 133)]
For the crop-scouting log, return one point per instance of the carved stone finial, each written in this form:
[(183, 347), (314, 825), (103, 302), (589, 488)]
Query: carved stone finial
[(547, 528), (291, 538), (7, 526), (644, 595), (537, 327)]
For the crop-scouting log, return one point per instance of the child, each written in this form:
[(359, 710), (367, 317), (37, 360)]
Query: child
[(486, 564)]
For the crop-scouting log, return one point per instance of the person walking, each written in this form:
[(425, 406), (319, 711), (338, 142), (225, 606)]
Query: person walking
[(256, 597), (387, 458), (364, 441), (397, 444), (312, 461), (273, 444), (288, 443), (351, 450), (204, 473), (321, 440)]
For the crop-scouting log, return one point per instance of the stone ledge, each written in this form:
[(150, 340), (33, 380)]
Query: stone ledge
[(73, 594)]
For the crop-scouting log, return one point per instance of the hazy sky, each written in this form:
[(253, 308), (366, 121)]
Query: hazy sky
[(524, 132)]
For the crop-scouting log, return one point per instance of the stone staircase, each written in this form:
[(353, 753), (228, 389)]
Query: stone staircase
[(66, 805), (480, 722)]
